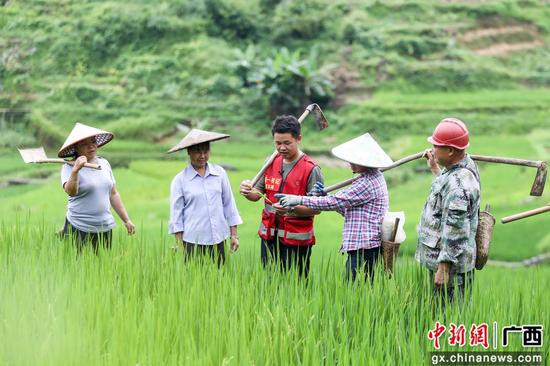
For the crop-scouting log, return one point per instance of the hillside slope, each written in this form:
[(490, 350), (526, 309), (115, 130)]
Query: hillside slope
[(139, 68)]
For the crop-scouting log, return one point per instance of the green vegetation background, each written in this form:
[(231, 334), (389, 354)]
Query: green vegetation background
[(149, 71), (395, 68)]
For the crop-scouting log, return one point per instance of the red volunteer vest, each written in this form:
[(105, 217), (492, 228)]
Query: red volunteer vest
[(291, 230)]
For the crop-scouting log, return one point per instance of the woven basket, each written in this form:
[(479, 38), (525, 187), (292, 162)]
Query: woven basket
[(389, 254), (484, 235)]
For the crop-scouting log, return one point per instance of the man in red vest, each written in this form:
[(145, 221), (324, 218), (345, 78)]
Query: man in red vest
[(286, 233)]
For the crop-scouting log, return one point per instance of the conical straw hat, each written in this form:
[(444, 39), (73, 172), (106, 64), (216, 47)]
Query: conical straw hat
[(364, 151), (80, 133), (195, 137)]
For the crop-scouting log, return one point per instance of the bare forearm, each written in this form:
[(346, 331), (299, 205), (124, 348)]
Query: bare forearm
[(249, 191), (179, 237), (253, 196), (71, 186), (305, 211), (233, 230), (118, 206)]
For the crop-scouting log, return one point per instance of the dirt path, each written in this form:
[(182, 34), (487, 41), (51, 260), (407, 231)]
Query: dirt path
[(489, 32), (503, 48)]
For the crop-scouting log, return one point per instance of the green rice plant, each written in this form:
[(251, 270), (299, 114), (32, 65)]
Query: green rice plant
[(142, 304), (144, 186)]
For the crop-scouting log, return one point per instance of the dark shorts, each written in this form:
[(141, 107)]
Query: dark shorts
[(82, 239)]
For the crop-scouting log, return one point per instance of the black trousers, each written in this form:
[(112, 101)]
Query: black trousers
[(269, 251), (288, 256), (296, 256), (215, 252), (82, 239), (364, 259)]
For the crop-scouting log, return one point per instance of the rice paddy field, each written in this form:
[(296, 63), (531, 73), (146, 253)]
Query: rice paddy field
[(140, 304), (147, 71)]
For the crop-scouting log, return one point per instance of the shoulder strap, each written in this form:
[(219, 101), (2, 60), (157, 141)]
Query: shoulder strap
[(291, 169), (308, 159)]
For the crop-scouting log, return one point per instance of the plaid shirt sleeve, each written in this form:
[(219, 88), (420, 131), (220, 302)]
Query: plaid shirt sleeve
[(355, 195)]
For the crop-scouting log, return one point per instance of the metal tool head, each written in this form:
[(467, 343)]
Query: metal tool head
[(540, 180), (320, 118), (36, 155)]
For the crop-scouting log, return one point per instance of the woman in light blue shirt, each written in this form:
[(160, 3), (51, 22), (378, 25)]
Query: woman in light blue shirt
[(203, 213), (92, 192)]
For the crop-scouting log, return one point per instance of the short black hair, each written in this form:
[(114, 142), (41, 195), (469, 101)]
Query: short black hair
[(286, 124), (203, 146)]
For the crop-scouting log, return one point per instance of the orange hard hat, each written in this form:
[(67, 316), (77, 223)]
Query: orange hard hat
[(450, 132)]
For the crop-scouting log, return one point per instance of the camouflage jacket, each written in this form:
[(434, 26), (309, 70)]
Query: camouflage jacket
[(447, 229)]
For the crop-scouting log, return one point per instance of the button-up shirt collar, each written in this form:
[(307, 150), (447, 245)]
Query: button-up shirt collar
[(191, 172)]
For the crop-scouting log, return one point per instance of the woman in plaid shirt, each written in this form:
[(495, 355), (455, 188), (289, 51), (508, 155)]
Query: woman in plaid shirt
[(363, 204)]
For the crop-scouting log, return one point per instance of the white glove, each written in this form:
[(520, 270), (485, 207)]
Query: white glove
[(289, 200)]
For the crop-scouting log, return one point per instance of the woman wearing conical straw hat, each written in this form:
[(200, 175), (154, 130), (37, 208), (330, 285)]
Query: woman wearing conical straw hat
[(363, 204), (91, 192), (203, 213)]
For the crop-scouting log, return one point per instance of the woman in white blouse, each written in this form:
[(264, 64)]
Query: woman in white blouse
[(203, 213)]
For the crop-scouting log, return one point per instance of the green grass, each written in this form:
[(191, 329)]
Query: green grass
[(491, 113), (140, 304), (140, 68), (144, 186)]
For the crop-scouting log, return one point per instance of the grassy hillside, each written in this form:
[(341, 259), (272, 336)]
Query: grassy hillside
[(138, 68)]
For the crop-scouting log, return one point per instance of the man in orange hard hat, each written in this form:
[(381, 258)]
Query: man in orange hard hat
[(448, 225)]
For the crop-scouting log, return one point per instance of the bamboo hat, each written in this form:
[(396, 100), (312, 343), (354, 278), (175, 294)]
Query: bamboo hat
[(364, 151), (80, 133), (195, 137)]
